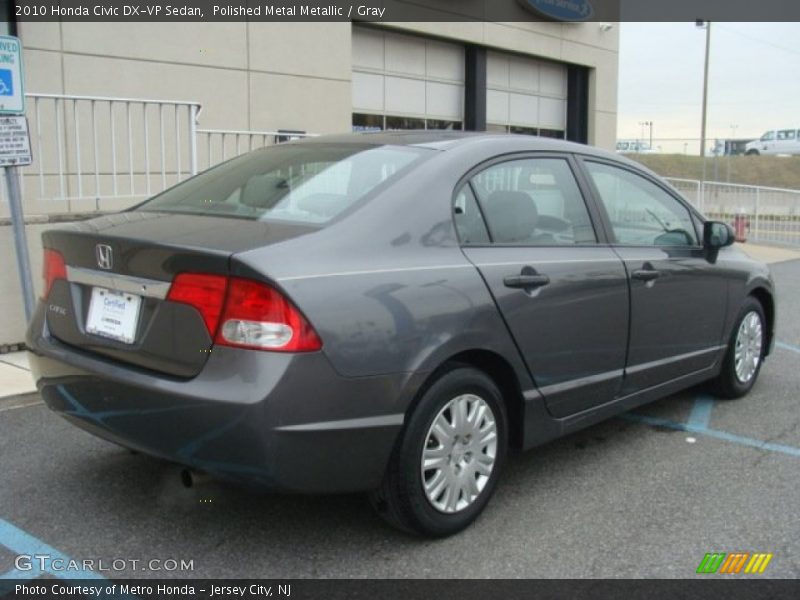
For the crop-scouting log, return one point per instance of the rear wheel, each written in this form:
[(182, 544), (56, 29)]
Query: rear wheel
[(446, 465), (745, 353)]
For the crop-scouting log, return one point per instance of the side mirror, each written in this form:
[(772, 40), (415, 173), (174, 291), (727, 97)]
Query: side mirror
[(717, 235)]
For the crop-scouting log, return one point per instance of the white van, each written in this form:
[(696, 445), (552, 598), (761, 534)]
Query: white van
[(776, 141)]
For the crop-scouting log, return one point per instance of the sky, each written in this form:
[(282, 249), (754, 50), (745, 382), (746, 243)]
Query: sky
[(754, 81)]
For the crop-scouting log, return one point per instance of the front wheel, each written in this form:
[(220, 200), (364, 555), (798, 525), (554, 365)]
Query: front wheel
[(745, 353), (447, 462)]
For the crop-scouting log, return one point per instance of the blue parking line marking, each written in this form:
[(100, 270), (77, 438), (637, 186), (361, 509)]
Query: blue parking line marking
[(21, 542), (17, 574), (786, 346), (722, 435), (701, 412), (761, 445)]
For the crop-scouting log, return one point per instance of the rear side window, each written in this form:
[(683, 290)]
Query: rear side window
[(786, 134), (469, 221), (533, 202), (304, 183)]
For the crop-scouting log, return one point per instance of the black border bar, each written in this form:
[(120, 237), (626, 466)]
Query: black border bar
[(406, 10), (707, 587)]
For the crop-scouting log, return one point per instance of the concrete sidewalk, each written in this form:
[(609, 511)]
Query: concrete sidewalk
[(15, 375), (769, 254)]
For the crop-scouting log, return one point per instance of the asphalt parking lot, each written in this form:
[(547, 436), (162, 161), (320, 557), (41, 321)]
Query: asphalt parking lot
[(644, 495)]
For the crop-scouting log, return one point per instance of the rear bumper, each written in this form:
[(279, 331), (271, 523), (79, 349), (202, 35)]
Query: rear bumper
[(285, 421)]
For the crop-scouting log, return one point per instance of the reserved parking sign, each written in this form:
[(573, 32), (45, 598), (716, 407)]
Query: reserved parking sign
[(12, 92)]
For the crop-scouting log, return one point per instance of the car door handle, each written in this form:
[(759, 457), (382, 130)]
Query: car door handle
[(526, 282), (646, 274)]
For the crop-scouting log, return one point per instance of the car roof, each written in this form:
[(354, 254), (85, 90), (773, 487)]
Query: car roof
[(438, 139), (445, 140)]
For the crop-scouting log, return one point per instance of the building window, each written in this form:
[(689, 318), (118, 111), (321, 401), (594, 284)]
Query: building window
[(368, 122), (362, 122), (442, 124), (552, 133), (404, 123), (523, 130)]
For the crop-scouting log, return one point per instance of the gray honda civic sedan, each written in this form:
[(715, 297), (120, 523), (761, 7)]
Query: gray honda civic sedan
[(392, 313)]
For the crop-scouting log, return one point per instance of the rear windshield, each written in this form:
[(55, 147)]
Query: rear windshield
[(302, 183)]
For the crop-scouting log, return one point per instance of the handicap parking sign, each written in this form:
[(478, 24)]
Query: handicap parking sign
[(12, 79), (6, 83)]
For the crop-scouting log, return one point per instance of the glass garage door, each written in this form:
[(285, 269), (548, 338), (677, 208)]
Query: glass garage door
[(406, 82), (525, 95)]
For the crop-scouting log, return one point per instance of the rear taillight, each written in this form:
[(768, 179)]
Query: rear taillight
[(259, 316), (204, 291), (245, 313), (53, 268)]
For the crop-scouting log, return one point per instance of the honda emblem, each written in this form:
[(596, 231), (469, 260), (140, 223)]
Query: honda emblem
[(104, 255)]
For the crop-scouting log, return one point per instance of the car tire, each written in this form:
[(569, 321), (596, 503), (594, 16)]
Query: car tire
[(458, 456), (745, 354), (752, 153)]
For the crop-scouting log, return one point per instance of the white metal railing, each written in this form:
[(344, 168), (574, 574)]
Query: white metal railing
[(88, 148), (93, 152), (218, 145), (770, 214)]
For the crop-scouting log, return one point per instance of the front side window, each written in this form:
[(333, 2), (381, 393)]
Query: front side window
[(786, 134), (768, 137), (533, 202), (303, 183), (641, 213)]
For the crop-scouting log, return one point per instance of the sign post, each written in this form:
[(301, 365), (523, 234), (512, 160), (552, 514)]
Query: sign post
[(15, 151)]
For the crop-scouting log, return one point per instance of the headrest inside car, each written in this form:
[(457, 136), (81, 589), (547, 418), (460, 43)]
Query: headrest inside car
[(263, 191), (512, 216)]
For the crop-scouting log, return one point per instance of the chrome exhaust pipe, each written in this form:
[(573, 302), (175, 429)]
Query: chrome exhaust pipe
[(191, 478)]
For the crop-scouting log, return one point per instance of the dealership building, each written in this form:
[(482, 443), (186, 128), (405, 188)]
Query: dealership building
[(118, 111), (552, 78)]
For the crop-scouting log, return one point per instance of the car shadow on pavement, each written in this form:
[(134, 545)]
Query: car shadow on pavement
[(114, 479)]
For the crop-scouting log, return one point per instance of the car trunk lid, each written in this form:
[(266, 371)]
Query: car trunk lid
[(119, 271)]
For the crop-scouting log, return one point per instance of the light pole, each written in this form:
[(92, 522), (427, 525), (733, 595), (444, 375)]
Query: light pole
[(707, 26), (730, 149), (649, 125)]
